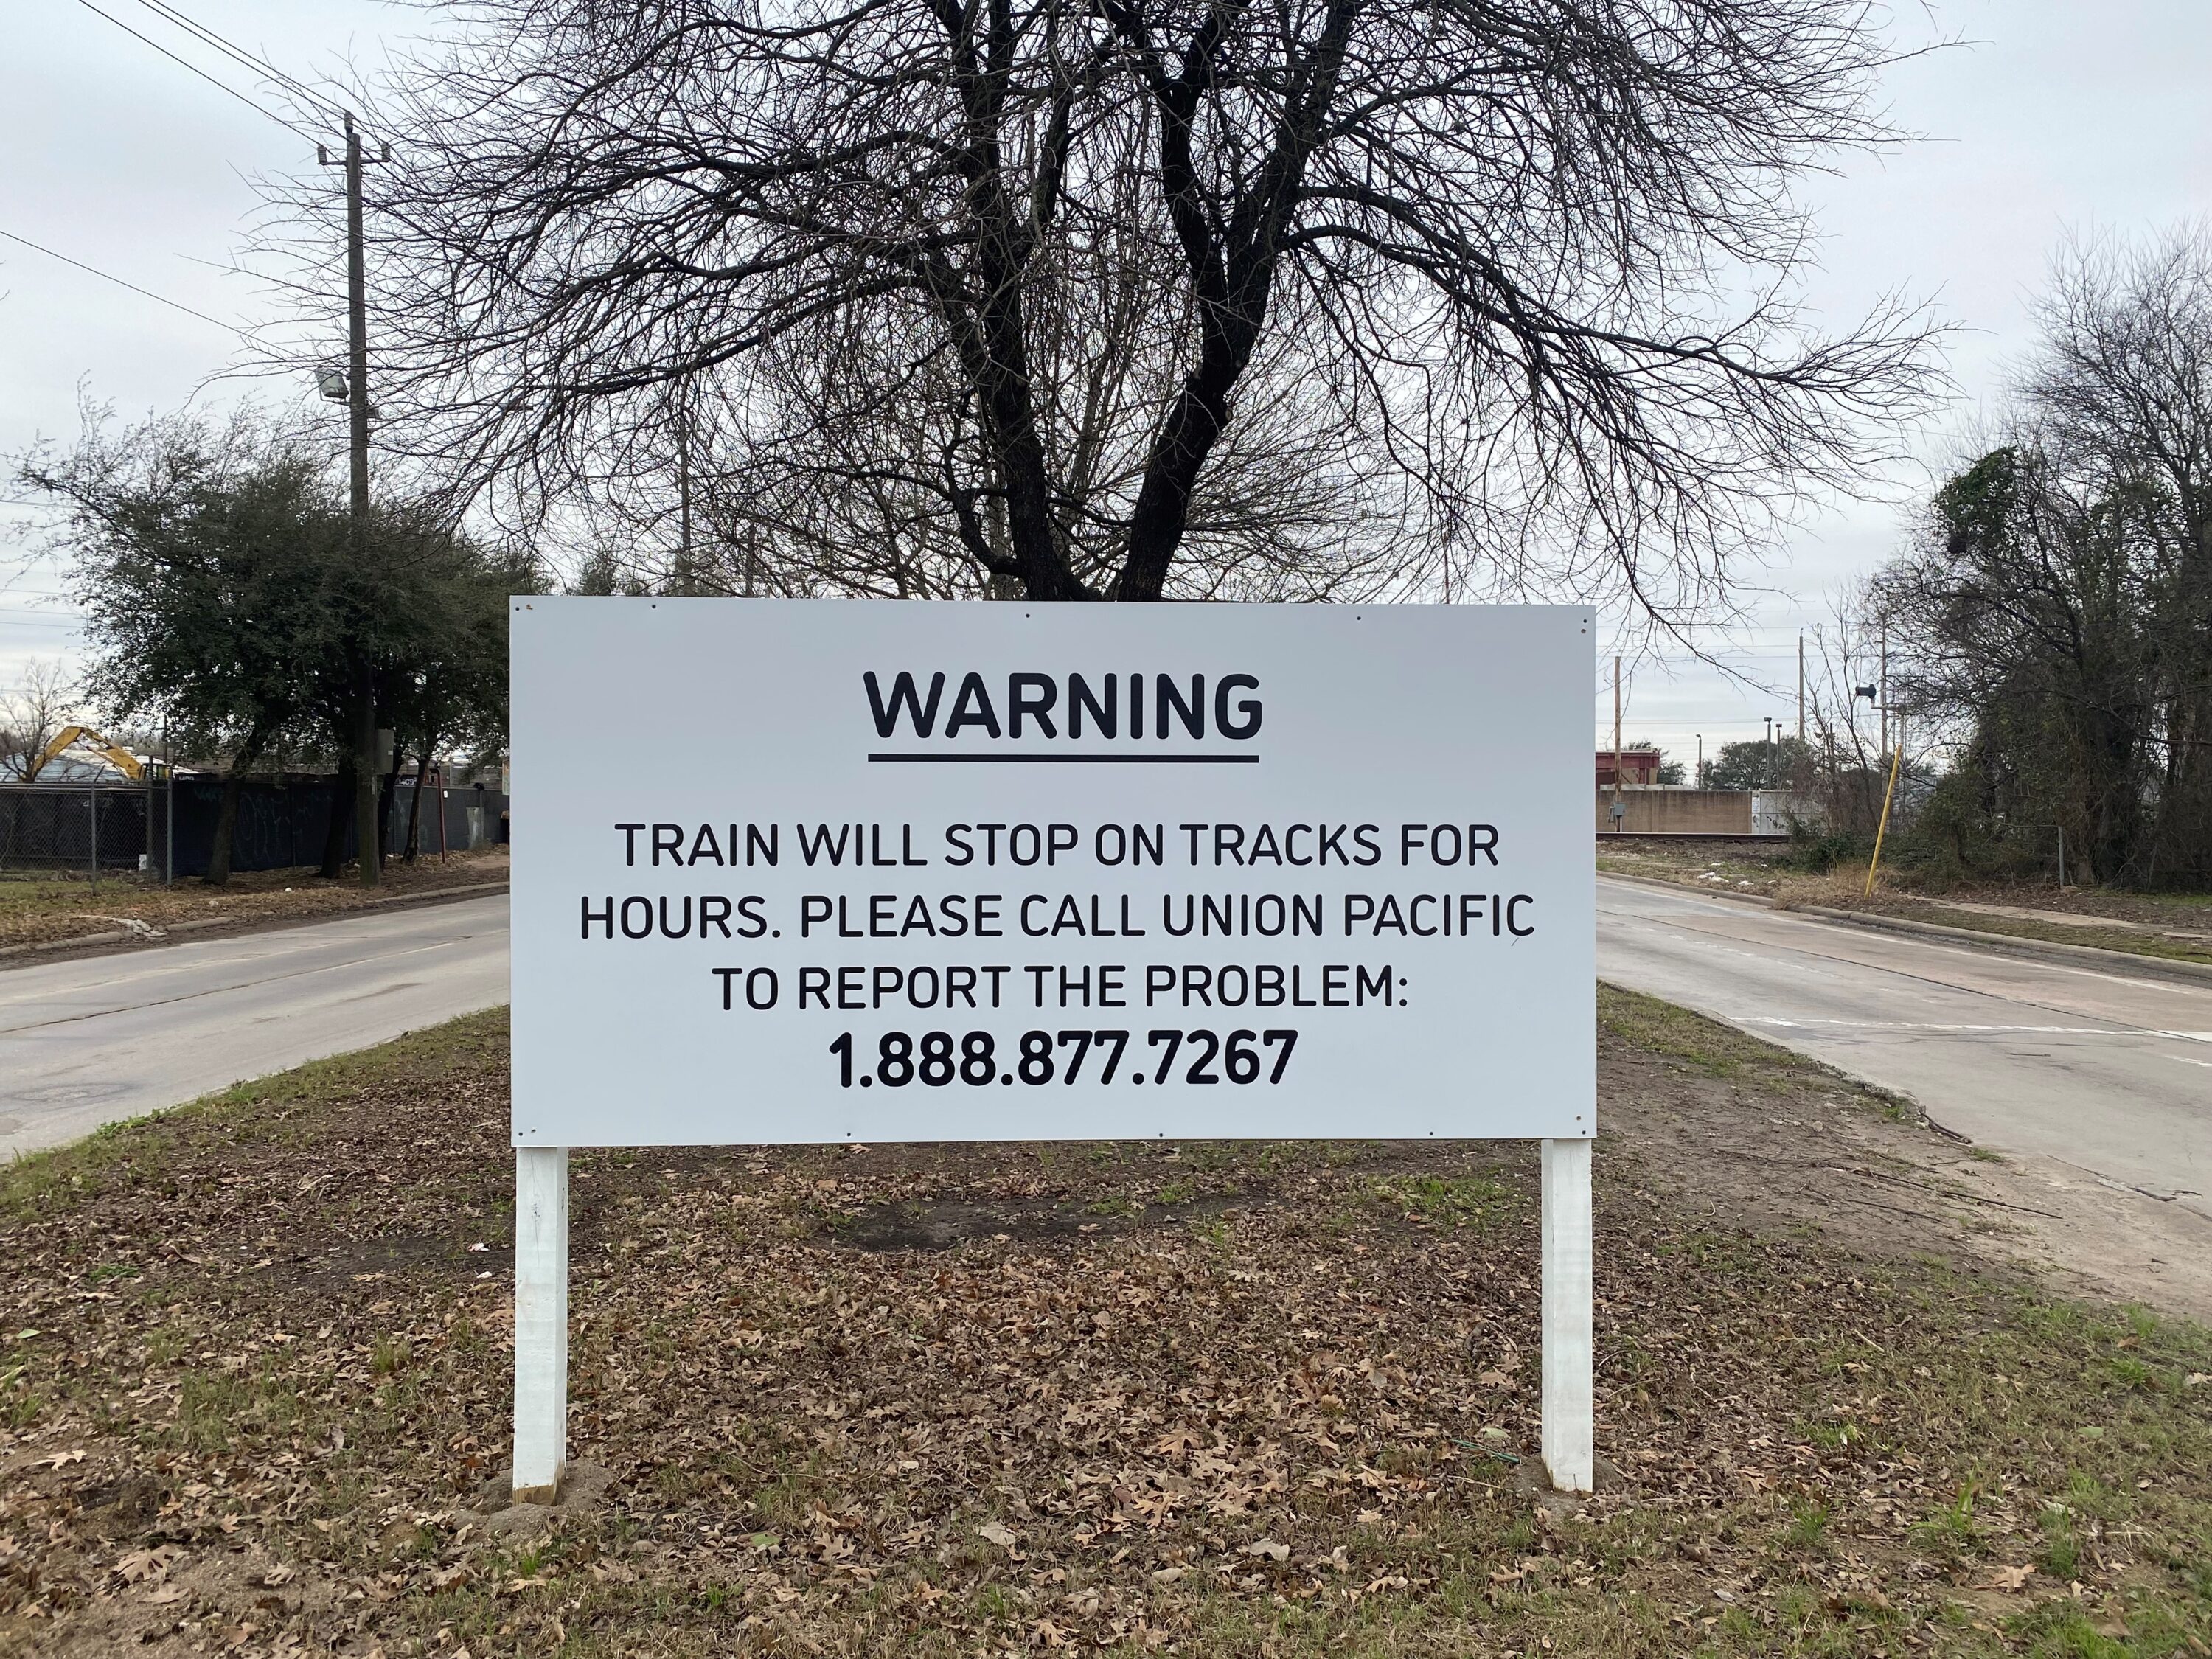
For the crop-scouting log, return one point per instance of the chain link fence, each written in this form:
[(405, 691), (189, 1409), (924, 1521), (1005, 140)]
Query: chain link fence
[(96, 829)]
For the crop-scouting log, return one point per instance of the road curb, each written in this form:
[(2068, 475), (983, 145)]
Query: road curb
[(2046, 950), (2075, 955), (16, 956)]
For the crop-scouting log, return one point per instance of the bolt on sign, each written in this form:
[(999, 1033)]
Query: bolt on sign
[(822, 870)]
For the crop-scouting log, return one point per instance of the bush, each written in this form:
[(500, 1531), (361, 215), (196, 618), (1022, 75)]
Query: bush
[(1819, 851)]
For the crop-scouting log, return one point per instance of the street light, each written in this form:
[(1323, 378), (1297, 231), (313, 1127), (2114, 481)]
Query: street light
[(335, 388)]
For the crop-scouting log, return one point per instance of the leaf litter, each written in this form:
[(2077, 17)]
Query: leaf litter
[(1196, 1398)]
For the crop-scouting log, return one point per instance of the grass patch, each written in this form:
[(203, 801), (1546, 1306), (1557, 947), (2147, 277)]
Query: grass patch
[(1652, 1027), (1449, 1200), (45, 907), (2127, 940)]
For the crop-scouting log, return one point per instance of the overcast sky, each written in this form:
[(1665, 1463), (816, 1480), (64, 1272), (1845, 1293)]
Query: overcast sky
[(2057, 116)]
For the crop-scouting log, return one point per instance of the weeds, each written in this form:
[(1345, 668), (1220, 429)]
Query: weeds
[(1446, 1200)]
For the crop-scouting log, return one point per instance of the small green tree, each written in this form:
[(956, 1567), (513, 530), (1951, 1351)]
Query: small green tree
[(1758, 763), (201, 554), (444, 683), (225, 597)]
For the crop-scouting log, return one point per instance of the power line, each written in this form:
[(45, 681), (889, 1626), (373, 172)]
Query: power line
[(186, 63), (239, 55), (119, 283)]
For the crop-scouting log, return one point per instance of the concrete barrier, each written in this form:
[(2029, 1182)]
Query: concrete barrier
[(1678, 812)]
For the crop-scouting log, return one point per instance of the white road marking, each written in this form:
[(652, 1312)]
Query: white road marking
[(2043, 1058), (1918, 1025)]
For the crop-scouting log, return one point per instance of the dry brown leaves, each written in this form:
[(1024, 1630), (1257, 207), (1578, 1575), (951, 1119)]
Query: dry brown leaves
[(1130, 1398)]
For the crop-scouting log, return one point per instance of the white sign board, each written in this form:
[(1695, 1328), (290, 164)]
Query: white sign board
[(824, 871)]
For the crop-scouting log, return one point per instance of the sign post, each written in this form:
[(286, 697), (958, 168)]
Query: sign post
[(1569, 1410), (541, 1322), (877, 871)]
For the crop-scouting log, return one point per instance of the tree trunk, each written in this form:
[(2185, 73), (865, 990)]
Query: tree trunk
[(226, 826), (421, 782), (342, 797), (226, 817), (369, 850)]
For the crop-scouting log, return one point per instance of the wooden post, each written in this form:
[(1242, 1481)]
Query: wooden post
[(1569, 1407), (541, 1322)]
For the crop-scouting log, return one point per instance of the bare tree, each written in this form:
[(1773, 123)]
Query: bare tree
[(2053, 616), (31, 717), (1149, 299), (2122, 389), (1842, 765)]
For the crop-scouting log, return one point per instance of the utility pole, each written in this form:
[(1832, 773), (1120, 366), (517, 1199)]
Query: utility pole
[(361, 674), (1700, 773), (1800, 687), (1616, 743), (1881, 686)]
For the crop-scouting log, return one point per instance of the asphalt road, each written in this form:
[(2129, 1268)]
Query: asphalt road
[(2099, 1069), (88, 1042)]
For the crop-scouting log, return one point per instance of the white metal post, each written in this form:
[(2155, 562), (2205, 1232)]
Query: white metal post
[(541, 1322), (1569, 1424)]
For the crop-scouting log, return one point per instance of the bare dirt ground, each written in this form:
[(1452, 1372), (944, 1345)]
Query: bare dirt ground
[(1251, 1400), (2172, 925), (1882, 1182), (47, 909)]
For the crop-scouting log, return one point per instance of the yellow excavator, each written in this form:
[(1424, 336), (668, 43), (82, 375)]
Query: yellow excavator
[(70, 736)]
